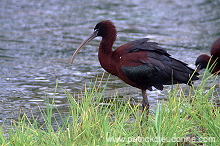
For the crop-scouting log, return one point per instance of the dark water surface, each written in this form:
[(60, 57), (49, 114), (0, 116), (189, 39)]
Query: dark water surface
[(38, 38)]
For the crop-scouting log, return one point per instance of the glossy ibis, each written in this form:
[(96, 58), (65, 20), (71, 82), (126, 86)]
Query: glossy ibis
[(203, 60), (140, 63)]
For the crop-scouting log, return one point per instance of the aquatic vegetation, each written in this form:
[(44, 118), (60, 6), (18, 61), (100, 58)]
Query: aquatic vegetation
[(191, 118)]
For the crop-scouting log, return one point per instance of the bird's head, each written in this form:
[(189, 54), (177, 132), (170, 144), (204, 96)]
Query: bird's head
[(104, 29), (202, 62)]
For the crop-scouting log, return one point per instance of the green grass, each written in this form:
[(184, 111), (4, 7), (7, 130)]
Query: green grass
[(190, 118)]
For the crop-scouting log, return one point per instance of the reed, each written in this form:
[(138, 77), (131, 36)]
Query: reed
[(185, 118)]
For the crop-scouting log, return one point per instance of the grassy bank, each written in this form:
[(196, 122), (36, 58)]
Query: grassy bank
[(183, 119)]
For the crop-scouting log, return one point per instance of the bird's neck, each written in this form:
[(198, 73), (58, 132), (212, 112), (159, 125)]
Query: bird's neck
[(105, 55), (105, 47)]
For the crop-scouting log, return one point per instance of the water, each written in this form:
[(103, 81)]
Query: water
[(38, 38)]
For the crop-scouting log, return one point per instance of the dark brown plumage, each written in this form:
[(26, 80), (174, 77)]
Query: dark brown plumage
[(141, 63), (203, 60)]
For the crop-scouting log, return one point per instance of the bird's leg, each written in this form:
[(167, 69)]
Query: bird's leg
[(145, 103)]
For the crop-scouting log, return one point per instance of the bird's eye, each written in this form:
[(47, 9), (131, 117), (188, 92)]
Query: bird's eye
[(96, 31)]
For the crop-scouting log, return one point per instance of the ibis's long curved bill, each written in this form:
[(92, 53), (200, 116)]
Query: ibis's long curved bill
[(91, 37)]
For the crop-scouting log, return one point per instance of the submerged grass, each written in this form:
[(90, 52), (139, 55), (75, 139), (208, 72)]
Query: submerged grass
[(191, 119)]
